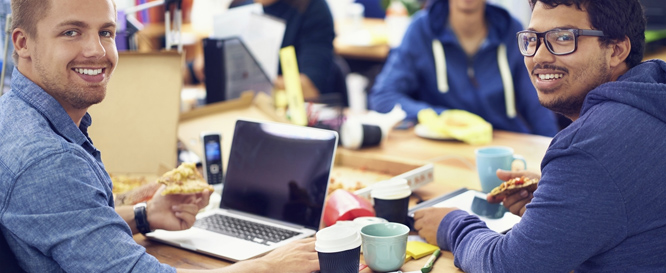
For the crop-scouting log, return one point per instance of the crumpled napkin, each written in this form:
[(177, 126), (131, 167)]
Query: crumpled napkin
[(458, 124)]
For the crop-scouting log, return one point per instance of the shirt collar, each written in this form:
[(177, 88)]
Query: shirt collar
[(50, 108)]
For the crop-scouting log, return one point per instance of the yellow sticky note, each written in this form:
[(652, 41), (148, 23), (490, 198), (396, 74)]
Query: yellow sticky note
[(292, 84), (408, 257), (418, 250)]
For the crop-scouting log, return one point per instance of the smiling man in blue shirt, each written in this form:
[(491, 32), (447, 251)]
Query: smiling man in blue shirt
[(56, 205)]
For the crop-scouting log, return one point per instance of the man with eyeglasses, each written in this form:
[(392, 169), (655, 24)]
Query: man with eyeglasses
[(600, 204)]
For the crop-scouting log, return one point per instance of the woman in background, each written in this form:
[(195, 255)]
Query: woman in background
[(309, 28)]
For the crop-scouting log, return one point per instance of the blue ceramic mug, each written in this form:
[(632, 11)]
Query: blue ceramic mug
[(384, 246), (489, 159)]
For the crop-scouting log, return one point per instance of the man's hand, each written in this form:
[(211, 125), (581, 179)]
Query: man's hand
[(175, 211), (426, 222), (298, 256), (516, 202)]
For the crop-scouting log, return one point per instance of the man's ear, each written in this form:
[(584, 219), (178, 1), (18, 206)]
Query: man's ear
[(20, 40), (619, 51)]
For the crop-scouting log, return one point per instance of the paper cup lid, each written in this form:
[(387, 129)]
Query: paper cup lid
[(366, 220), (395, 188), (351, 134), (337, 238)]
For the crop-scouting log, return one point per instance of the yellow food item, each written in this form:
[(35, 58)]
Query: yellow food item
[(458, 124), (129, 190), (184, 179)]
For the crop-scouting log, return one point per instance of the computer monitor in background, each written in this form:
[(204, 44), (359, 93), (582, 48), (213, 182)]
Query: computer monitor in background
[(231, 69)]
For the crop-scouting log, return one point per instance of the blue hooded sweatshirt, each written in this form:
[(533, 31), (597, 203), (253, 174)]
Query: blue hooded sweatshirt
[(430, 70), (601, 202)]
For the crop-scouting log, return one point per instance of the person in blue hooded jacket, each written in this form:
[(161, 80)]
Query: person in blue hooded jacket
[(599, 206), (462, 55)]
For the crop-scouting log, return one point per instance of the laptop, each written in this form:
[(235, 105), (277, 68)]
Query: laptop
[(277, 178)]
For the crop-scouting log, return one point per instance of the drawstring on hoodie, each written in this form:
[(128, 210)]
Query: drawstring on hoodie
[(505, 73), (507, 81), (440, 66)]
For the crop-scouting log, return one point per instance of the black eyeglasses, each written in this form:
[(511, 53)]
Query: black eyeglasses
[(558, 41)]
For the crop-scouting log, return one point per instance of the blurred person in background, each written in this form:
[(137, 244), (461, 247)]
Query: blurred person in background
[(309, 28), (462, 54)]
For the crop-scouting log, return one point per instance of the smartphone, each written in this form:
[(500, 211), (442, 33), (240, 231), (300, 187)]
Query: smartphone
[(212, 159)]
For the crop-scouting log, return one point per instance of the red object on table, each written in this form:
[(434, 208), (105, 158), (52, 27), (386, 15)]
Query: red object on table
[(343, 205)]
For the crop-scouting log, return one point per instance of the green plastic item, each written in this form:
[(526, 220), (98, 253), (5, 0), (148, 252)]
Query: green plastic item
[(412, 6), (654, 35)]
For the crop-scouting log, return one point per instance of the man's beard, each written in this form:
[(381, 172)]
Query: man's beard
[(572, 105), (567, 106), (77, 97)]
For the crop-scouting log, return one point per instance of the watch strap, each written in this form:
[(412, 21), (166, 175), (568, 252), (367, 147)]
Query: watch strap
[(141, 218)]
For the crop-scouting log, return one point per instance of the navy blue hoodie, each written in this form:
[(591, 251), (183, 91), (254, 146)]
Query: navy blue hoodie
[(414, 77), (601, 203), (310, 30)]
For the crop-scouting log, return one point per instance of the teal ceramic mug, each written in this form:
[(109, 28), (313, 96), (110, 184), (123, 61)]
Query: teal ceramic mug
[(489, 159), (384, 246)]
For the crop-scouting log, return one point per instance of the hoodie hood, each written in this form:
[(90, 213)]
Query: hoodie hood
[(438, 14), (642, 87)]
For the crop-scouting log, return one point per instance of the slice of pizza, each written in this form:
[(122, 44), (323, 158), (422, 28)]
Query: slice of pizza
[(514, 185), (183, 180)]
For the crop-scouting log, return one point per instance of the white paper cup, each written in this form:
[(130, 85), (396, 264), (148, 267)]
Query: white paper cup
[(391, 199), (338, 248), (396, 188)]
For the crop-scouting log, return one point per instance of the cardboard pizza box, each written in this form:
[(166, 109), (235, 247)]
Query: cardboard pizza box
[(135, 126), (221, 117), (356, 171)]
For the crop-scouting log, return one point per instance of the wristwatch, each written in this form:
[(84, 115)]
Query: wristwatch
[(141, 218)]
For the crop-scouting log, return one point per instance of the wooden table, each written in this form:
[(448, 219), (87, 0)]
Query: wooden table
[(659, 53), (454, 168)]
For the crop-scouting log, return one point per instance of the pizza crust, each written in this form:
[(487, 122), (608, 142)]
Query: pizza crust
[(184, 180), (514, 185)]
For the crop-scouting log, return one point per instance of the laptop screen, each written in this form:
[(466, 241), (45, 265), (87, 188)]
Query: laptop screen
[(279, 171)]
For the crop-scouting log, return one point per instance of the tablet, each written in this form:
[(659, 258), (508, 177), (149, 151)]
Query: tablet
[(496, 216)]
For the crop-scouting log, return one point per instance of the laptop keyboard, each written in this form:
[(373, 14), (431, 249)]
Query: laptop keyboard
[(242, 229)]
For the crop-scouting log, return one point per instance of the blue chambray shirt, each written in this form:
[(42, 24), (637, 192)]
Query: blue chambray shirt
[(56, 206)]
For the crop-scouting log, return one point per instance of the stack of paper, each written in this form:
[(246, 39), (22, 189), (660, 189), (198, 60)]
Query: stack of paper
[(261, 33)]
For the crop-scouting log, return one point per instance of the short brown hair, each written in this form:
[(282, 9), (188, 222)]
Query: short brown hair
[(26, 14)]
